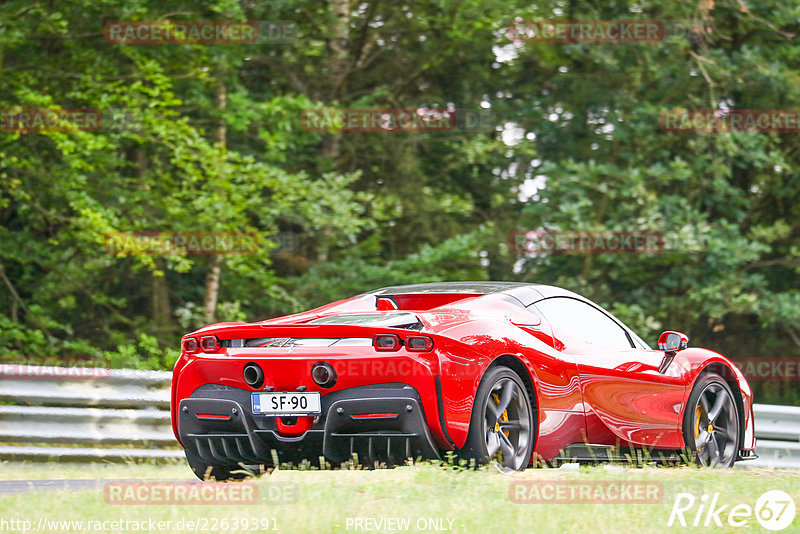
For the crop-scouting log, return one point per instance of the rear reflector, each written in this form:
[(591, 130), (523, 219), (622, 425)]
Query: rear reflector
[(375, 416), (387, 342), (419, 344), (213, 416)]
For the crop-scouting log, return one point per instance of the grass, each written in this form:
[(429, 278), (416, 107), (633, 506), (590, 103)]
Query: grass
[(454, 499)]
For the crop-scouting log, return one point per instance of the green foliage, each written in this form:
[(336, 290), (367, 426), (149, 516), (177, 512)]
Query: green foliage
[(573, 144), (457, 258), (145, 354)]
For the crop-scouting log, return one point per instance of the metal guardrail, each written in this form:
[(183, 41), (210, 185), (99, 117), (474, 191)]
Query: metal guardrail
[(84, 414), (778, 435)]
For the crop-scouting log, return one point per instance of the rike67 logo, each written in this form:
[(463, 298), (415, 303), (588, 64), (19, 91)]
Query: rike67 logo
[(774, 510)]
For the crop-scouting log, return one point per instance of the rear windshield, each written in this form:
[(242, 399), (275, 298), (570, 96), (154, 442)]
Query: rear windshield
[(409, 321)]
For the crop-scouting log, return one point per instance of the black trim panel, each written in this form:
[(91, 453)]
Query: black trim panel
[(440, 406), (216, 424)]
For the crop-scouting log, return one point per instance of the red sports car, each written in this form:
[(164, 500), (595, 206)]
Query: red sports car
[(495, 371)]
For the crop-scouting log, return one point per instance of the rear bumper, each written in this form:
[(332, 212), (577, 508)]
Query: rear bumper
[(384, 422)]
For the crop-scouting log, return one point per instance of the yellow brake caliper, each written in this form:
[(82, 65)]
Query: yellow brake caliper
[(697, 423), (503, 417)]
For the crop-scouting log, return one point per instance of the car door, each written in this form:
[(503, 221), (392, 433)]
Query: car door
[(626, 399)]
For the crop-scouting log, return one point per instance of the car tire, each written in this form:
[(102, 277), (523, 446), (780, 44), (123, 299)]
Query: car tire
[(711, 422), (505, 437), (206, 471)]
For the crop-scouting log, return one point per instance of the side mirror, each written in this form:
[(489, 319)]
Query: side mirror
[(670, 341)]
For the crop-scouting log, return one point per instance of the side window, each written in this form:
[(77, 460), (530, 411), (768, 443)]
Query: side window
[(583, 328)]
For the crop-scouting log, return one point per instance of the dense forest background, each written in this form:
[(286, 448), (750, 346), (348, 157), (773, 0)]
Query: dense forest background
[(218, 145)]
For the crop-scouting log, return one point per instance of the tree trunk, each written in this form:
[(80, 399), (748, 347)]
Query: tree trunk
[(161, 310), (339, 36), (339, 31), (222, 103), (212, 287), (215, 267)]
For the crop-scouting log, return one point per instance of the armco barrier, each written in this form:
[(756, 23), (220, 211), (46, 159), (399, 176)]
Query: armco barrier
[(85, 414), (778, 434), (65, 414)]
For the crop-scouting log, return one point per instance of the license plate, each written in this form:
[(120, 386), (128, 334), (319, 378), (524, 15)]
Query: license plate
[(287, 403)]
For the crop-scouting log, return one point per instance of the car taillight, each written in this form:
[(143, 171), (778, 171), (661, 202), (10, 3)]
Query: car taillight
[(387, 342), (419, 344), (209, 343), (189, 345)]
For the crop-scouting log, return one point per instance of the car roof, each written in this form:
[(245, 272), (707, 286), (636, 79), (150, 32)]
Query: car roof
[(527, 293), (480, 288)]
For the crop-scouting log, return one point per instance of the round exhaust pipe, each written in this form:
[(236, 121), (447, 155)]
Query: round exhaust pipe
[(323, 374), (253, 375)]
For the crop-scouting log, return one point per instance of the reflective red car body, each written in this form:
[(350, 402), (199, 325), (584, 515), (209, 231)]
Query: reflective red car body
[(580, 393)]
